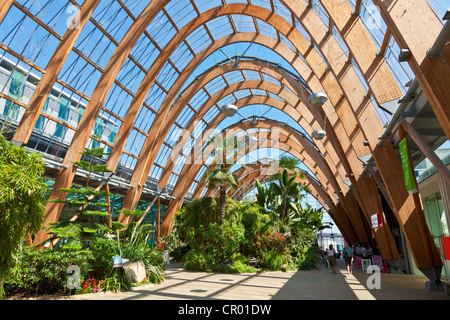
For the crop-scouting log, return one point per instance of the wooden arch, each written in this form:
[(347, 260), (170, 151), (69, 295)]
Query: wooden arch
[(308, 117), (383, 235), (290, 145), (323, 197), (87, 121), (348, 202), (407, 212), (188, 174), (284, 142)]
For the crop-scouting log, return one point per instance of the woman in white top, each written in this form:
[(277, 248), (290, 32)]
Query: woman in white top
[(332, 258)]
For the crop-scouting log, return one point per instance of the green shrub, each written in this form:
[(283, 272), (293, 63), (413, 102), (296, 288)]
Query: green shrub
[(155, 274), (240, 267), (103, 249), (247, 231), (275, 262), (310, 259), (178, 253), (22, 201), (117, 281), (45, 271), (195, 261)]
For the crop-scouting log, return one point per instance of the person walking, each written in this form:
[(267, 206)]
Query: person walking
[(347, 253), (369, 251), (358, 250), (331, 255)]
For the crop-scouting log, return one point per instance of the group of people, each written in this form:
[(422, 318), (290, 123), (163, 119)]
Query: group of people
[(348, 253), (365, 252)]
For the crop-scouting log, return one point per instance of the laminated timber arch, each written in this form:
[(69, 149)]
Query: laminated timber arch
[(56, 63), (431, 72), (276, 103), (92, 110), (308, 118), (151, 147), (322, 196), (5, 7), (298, 113), (383, 235), (355, 77), (356, 164), (189, 172), (87, 121), (284, 142), (348, 203), (408, 215), (288, 144)]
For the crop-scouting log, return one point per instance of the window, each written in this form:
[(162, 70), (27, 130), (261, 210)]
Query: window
[(63, 115), (40, 122), (98, 130), (16, 89)]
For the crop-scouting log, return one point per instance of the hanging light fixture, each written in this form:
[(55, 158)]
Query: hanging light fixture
[(317, 100), (251, 140), (229, 110), (318, 134)]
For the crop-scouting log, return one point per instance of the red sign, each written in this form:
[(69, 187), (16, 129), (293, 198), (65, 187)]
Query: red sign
[(446, 247), (377, 222)]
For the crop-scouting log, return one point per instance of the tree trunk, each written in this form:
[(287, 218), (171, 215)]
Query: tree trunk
[(222, 203), (286, 213)]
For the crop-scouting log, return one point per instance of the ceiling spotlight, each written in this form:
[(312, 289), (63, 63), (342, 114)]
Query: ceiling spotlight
[(318, 99), (251, 140), (318, 134), (229, 110), (404, 55)]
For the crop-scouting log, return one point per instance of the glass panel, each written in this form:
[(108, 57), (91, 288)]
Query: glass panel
[(16, 88), (40, 122), (63, 114)]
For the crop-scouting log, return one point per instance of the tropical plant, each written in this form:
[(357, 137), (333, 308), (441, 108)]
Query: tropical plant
[(291, 164), (21, 201), (309, 218), (91, 216), (135, 245), (220, 176), (283, 189), (286, 189)]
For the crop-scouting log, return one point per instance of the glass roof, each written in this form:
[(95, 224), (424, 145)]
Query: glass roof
[(32, 30)]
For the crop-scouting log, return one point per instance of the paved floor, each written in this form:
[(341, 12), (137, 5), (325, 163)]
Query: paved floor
[(318, 284)]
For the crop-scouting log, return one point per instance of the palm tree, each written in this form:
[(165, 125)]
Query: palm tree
[(291, 164), (310, 218), (286, 188), (220, 175), (223, 179)]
